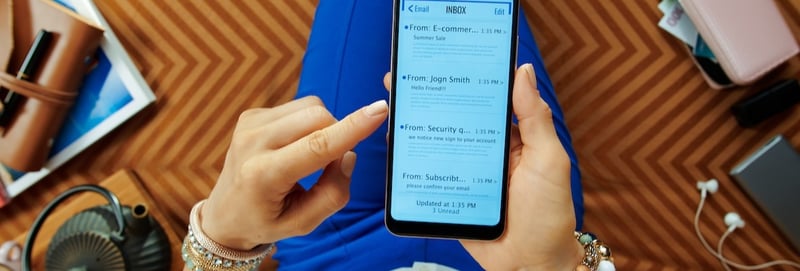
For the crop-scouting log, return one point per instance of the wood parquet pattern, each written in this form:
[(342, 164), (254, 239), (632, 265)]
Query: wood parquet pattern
[(644, 123)]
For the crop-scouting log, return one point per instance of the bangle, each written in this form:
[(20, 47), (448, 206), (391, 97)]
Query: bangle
[(597, 256), (201, 253)]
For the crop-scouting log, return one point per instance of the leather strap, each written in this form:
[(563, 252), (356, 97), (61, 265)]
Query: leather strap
[(38, 92), (6, 32)]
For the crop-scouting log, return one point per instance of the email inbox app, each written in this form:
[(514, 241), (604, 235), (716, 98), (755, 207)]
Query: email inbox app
[(451, 110)]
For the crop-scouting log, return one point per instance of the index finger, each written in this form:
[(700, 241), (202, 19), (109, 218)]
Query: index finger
[(321, 147)]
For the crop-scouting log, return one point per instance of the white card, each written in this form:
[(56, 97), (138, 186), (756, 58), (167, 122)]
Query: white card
[(666, 5), (677, 23)]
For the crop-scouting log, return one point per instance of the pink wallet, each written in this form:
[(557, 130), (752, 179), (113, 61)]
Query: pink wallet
[(748, 37)]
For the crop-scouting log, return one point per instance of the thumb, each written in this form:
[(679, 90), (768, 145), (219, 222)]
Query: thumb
[(387, 81), (533, 113), (329, 195)]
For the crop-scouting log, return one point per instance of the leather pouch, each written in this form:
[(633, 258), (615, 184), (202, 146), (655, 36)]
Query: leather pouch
[(26, 141), (748, 37)]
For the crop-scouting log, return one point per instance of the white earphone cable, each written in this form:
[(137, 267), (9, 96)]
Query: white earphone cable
[(718, 255), (719, 248)]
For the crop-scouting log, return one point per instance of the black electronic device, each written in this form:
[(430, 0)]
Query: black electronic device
[(775, 99), (771, 177), (453, 66)]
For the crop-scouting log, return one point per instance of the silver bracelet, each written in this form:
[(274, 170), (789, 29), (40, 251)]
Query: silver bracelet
[(597, 256), (201, 253)]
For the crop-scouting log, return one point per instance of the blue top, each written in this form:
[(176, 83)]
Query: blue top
[(347, 56)]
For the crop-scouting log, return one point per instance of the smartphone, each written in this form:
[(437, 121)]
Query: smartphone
[(453, 64)]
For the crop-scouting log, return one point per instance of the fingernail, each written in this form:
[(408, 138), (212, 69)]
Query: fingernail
[(348, 163), (377, 108), (531, 74)]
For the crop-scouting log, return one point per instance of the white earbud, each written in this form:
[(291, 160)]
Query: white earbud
[(733, 221), (710, 186)]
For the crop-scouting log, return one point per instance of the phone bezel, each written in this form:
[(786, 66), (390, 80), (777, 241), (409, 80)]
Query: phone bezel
[(448, 230)]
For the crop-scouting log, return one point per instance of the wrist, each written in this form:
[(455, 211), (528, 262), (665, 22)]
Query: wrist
[(577, 257), (200, 252), (221, 234), (586, 253), (573, 254)]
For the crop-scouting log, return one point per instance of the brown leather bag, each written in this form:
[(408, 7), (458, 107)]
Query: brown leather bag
[(26, 141)]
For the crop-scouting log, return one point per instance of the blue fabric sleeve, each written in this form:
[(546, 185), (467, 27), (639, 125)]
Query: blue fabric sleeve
[(347, 55)]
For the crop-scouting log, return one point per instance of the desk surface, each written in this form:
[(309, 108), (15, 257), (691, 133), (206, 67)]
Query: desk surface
[(644, 123)]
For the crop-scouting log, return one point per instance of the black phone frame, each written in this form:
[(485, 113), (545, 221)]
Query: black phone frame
[(448, 230)]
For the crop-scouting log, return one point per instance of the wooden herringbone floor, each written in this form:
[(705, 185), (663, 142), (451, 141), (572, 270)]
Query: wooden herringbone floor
[(644, 123)]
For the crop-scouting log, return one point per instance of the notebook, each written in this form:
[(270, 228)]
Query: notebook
[(110, 95), (771, 176)]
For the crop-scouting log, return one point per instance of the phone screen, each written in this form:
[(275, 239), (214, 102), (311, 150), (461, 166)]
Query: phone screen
[(453, 64)]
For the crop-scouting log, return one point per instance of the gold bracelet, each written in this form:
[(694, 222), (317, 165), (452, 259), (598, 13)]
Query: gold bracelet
[(597, 256), (196, 261), (201, 253)]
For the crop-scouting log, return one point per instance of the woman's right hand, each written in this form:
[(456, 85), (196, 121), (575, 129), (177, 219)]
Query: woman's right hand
[(257, 199)]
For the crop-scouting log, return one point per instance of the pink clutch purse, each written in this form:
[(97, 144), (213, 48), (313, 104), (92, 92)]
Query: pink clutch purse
[(748, 37)]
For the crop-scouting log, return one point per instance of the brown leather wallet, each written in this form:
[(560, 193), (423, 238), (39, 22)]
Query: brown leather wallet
[(26, 141)]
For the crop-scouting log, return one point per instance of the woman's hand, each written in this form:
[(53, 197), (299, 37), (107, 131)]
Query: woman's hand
[(257, 200), (541, 219)]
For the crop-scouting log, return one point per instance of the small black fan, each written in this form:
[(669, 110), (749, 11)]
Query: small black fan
[(109, 238)]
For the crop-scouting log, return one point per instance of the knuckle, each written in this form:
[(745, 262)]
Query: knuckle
[(338, 199), (238, 143), (350, 123), (245, 139), (249, 170), (314, 100), (249, 113), (318, 113), (319, 144), (261, 169), (545, 108), (245, 135)]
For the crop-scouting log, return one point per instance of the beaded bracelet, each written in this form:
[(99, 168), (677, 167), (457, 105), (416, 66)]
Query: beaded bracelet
[(201, 253), (597, 256)]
